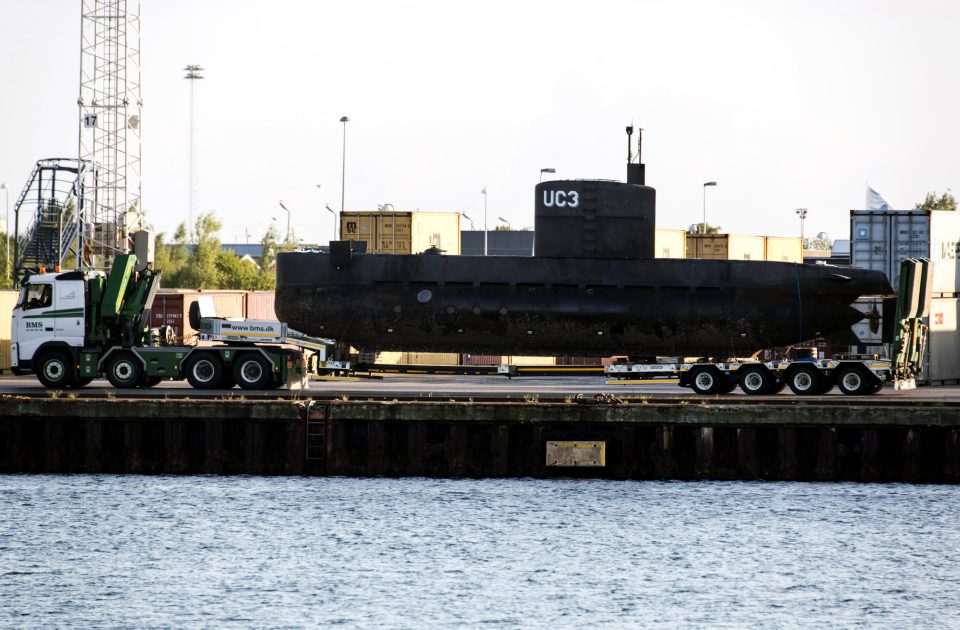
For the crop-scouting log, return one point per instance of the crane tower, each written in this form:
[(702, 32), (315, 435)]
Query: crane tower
[(109, 131)]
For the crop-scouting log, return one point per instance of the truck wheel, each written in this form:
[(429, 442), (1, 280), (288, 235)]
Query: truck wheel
[(756, 380), (252, 371), (853, 381), (124, 370), (205, 371), (705, 380), (805, 381), (54, 370)]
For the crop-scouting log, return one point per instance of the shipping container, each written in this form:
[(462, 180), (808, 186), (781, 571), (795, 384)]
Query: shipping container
[(669, 243), (380, 358), (171, 307), (260, 305), (579, 361), (481, 359), (8, 299), (726, 247), (881, 240), (403, 232), (228, 303), (943, 364), (430, 358), (528, 360), (784, 249)]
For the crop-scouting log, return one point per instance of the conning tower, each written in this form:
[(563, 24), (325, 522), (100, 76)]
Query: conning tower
[(597, 218)]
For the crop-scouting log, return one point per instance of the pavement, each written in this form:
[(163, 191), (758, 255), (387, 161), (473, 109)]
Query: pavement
[(445, 386)]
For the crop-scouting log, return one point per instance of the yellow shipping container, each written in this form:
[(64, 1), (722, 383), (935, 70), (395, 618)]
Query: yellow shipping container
[(402, 232), (784, 249), (669, 243), (5, 358), (726, 247), (527, 360), (430, 358)]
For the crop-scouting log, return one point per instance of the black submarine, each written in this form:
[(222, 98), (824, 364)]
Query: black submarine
[(592, 288)]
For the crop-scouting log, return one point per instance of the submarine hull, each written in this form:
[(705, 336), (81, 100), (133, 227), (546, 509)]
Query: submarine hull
[(567, 306)]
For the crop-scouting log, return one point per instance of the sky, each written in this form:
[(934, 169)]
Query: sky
[(785, 105)]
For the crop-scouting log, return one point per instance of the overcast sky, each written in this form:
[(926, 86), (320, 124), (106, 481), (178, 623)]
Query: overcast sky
[(785, 105)]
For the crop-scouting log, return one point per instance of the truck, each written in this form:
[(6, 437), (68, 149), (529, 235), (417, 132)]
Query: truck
[(74, 326), (806, 374)]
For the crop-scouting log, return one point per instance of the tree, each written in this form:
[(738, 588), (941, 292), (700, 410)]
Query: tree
[(171, 258), (234, 272), (946, 201), (200, 271), (697, 228)]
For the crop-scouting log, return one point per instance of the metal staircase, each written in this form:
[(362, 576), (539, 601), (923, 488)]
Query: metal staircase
[(46, 216)]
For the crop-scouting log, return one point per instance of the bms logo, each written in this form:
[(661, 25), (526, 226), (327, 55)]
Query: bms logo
[(34, 325)]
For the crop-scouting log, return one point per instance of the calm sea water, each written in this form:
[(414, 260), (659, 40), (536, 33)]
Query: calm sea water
[(127, 551)]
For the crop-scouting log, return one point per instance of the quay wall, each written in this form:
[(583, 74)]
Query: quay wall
[(719, 440)]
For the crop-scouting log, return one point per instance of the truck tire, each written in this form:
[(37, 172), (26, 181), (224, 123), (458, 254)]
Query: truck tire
[(805, 381), (124, 370), (756, 380), (854, 381), (705, 380), (252, 371), (54, 369), (204, 370)]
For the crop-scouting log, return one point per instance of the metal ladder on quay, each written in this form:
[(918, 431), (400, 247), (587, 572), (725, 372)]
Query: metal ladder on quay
[(316, 445)]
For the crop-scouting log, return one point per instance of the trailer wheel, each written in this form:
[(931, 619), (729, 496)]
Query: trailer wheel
[(805, 381), (53, 370), (756, 380), (854, 381), (252, 371), (705, 380), (124, 370), (204, 371)]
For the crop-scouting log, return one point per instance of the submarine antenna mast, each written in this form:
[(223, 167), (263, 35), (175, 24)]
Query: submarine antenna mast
[(635, 171)]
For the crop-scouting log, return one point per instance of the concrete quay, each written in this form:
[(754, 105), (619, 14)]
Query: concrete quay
[(719, 439)]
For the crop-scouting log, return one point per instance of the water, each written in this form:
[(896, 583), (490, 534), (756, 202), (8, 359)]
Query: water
[(127, 551)]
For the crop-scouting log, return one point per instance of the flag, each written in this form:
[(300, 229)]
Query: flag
[(875, 201)]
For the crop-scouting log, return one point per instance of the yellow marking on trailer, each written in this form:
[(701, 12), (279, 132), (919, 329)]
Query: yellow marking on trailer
[(644, 381), (334, 378), (563, 368)]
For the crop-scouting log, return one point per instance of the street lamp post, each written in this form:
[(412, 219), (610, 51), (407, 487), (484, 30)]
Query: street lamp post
[(505, 221), (802, 213), (287, 235), (484, 193), (546, 170), (464, 214), (343, 172), (703, 226), (334, 213)]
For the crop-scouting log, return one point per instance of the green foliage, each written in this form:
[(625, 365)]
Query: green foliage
[(234, 272), (6, 272), (946, 201), (698, 228), (209, 267)]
